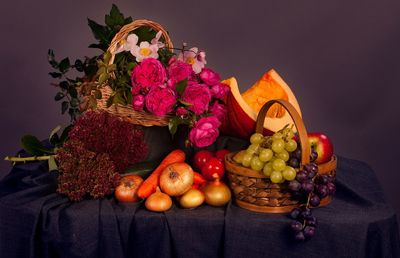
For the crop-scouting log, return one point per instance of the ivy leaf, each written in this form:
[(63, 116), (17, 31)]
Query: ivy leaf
[(64, 107), (55, 75), (59, 96), (64, 65), (181, 86), (64, 85), (52, 163), (51, 59), (33, 146), (73, 92)]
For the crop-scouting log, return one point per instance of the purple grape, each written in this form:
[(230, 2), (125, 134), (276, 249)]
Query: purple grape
[(308, 167), (322, 180), (314, 165), (312, 221), (296, 226), (294, 185), (300, 236), (294, 162), (322, 191), (330, 178), (311, 174), (297, 153), (315, 200), (313, 156), (294, 214), (307, 186), (301, 176), (309, 231), (331, 188), (306, 213)]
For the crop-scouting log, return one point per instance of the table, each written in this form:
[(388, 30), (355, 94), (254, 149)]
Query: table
[(37, 222)]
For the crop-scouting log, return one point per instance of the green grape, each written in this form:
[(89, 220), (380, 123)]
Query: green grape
[(278, 145), (247, 159), (239, 156), (277, 136), (256, 138), (256, 164), (283, 155), (266, 155), (278, 164), (289, 173), (276, 177), (267, 170), (288, 133), (291, 145), (253, 149)]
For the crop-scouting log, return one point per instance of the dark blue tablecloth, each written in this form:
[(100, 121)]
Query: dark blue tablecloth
[(37, 222)]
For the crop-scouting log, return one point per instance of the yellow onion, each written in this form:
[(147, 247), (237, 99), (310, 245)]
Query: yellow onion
[(176, 179), (192, 199), (216, 192), (158, 201)]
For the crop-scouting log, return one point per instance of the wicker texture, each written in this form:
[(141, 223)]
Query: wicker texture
[(253, 190), (127, 112)]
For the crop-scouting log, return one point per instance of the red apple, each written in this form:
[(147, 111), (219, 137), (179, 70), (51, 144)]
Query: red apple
[(220, 154), (322, 145)]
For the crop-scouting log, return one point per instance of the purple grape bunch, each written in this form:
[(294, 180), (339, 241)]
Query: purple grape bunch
[(309, 188)]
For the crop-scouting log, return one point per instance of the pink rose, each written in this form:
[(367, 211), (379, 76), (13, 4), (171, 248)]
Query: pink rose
[(209, 77), (147, 74), (205, 131), (138, 102), (160, 101), (199, 96), (218, 110), (220, 90), (178, 71), (181, 111)]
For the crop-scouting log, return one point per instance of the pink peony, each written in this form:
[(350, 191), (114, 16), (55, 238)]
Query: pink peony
[(138, 102), (220, 90), (198, 95), (181, 111), (218, 110), (178, 71), (147, 74), (160, 101), (205, 131), (209, 77)]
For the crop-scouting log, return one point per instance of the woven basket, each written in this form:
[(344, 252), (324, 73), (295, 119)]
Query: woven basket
[(253, 190), (127, 112)]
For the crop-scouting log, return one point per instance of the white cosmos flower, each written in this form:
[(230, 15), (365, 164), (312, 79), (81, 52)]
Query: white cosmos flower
[(144, 50), (194, 57), (127, 44)]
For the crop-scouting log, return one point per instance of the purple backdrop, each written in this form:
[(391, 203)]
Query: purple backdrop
[(341, 58)]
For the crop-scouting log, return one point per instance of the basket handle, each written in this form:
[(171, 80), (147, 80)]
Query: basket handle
[(126, 29), (298, 122)]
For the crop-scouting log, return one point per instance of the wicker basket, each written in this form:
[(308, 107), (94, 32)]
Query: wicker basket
[(255, 192), (127, 112)]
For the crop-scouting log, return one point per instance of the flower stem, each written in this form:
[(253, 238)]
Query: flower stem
[(26, 159)]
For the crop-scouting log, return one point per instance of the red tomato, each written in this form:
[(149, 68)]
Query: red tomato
[(220, 154), (126, 191), (212, 166), (200, 158)]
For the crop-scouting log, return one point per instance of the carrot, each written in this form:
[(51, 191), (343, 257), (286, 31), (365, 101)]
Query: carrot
[(198, 179), (149, 186)]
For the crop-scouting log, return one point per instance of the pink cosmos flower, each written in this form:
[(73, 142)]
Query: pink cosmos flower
[(205, 131), (138, 102), (198, 95), (178, 71), (218, 110), (194, 57), (147, 74), (209, 77), (220, 90), (160, 101)]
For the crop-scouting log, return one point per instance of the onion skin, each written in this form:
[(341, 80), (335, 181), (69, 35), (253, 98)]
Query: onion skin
[(192, 199), (158, 202), (176, 179), (216, 192)]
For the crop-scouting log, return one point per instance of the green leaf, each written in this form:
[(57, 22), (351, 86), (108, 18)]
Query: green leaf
[(99, 31), (33, 146), (59, 96), (185, 103), (74, 102), (181, 86), (64, 65), (116, 15), (52, 163), (50, 57), (54, 131), (64, 85), (173, 124), (64, 135), (64, 107), (55, 75), (73, 92), (130, 66)]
